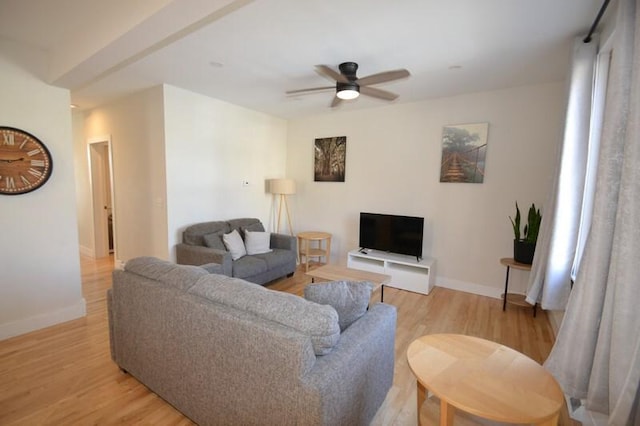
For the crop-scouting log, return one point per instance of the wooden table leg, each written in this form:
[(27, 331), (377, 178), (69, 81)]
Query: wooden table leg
[(506, 290), (422, 396), (447, 412)]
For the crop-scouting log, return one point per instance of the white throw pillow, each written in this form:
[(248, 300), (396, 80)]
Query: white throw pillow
[(233, 242), (257, 242)]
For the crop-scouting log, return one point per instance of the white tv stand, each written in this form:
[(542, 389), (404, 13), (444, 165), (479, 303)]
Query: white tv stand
[(407, 273)]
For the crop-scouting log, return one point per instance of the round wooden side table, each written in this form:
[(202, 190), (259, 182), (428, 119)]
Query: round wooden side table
[(306, 250), (514, 298), (485, 379)]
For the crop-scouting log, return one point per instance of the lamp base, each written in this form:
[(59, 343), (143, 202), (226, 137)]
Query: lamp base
[(283, 200)]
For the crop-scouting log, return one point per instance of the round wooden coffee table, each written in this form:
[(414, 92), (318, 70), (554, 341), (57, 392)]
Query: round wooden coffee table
[(485, 379)]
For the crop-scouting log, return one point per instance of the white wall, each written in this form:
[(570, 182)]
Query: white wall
[(83, 186), (179, 158), (393, 164), (190, 153), (39, 262), (211, 147), (135, 124)]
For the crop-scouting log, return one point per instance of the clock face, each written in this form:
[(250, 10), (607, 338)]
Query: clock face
[(25, 163)]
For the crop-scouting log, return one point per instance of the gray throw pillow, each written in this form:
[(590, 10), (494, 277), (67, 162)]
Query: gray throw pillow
[(214, 241), (349, 298)]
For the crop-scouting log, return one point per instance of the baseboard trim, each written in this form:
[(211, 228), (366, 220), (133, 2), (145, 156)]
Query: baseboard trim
[(467, 287), (26, 325)]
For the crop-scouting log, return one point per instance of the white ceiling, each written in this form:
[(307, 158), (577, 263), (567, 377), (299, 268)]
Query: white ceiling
[(250, 52)]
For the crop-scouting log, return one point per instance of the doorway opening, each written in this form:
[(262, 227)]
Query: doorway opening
[(102, 192)]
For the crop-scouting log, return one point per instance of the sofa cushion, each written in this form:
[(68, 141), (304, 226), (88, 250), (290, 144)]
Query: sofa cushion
[(245, 223), (257, 242), (214, 240), (319, 322), (213, 268), (277, 257), (248, 266), (349, 298), (181, 277), (234, 244), (254, 227), (194, 234)]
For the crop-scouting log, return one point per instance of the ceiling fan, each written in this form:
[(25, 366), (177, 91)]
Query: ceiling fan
[(349, 86)]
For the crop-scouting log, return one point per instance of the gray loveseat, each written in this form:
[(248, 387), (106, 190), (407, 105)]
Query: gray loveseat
[(224, 351), (202, 246)]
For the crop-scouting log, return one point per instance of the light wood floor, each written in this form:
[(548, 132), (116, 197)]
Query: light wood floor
[(63, 375)]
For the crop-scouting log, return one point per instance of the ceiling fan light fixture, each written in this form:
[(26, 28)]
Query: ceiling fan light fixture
[(347, 91), (348, 94), (349, 87)]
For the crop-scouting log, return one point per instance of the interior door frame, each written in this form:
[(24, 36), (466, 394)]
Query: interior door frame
[(96, 178)]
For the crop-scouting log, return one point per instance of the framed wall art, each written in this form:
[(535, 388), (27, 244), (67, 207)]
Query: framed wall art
[(330, 159), (464, 150)]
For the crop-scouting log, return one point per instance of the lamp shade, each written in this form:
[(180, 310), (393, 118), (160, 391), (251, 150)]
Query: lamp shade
[(282, 186)]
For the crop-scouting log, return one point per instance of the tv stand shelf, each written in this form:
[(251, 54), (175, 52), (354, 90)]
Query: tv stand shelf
[(407, 273)]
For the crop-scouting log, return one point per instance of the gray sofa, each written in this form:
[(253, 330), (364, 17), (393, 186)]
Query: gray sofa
[(224, 351), (202, 246)]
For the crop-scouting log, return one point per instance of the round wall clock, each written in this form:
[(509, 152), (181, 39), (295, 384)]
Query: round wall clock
[(25, 162)]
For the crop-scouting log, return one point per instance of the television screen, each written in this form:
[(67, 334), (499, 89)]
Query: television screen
[(391, 233)]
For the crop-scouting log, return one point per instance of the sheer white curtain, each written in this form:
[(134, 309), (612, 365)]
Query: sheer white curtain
[(597, 352), (597, 117), (550, 278)]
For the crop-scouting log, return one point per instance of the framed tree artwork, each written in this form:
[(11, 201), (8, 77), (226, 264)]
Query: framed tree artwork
[(330, 159), (464, 150)]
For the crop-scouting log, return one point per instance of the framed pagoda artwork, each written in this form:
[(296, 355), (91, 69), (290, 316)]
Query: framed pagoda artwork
[(464, 150)]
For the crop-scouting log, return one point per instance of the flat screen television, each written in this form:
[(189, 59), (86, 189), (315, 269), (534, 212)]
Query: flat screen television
[(391, 233)]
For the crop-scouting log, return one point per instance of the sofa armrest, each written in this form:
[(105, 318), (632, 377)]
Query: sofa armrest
[(187, 254), (213, 268), (354, 378), (283, 241), (111, 316)]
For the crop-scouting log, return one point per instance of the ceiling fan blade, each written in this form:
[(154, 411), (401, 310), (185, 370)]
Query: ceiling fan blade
[(336, 101), (383, 77), (377, 93), (332, 74), (310, 90)]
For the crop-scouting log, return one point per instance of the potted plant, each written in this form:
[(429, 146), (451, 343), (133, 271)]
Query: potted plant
[(524, 248)]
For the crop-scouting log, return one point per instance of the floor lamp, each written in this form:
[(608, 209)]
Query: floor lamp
[(283, 187)]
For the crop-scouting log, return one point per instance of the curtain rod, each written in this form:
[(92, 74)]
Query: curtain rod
[(587, 39)]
